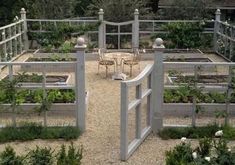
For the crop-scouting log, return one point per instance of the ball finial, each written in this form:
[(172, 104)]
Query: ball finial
[(22, 11), (158, 42), (80, 41), (136, 11), (218, 12), (101, 10)]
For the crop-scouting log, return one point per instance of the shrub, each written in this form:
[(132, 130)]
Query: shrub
[(180, 155), (72, 157), (189, 132), (209, 152), (9, 157), (30, 131), (41, 156), (184, 35)]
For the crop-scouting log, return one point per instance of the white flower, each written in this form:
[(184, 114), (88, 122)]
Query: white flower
[(219, 133), (194, 154), (183, 139), (229, 149), (207, 158), (144, 51)]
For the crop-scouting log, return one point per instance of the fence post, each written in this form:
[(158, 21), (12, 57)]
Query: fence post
[(4, 46), (135, 32), (216, 28), (23, 17), (80, 85), (101, 29), (157, 85)]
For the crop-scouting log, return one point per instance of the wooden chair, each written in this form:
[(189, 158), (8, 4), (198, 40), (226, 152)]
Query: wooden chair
[(134, 61), (104, 62)]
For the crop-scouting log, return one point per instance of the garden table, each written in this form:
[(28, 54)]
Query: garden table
[(118, 57)]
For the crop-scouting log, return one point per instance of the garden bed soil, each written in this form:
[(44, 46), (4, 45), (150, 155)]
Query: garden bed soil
[(183, 59), (207, 79), (38, 79), (38, 59)]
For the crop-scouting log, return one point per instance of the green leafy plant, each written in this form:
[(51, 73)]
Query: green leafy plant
[(72, 157), (10, 90), (189, 132), (41, 156), (30, 131), (180, 155), (9, 157), (184, 35), (209, 152)]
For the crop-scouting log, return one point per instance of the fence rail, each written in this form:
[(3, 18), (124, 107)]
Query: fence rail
[(12, 40)]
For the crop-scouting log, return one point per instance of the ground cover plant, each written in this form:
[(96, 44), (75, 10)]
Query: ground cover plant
[(196, 132), (43, 156), (210, 151), (30, 131)]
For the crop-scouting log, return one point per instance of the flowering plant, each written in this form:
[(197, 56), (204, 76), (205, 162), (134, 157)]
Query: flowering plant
[(209, 152)]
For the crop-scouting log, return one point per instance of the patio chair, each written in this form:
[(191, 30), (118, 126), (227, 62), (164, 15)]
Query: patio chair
[(104, 62), (134, 61)]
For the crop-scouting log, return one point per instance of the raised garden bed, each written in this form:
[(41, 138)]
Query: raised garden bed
[(35, 79), (178, 102), (205, 79), (185, 59), (63, 102)]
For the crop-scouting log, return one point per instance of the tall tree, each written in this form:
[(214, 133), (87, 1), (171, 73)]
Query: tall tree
[(118, 10), (186, 9), (81, 7)]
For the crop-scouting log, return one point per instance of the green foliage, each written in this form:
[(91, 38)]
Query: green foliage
[(183, 34), (186, 10), (41, 156), (205, 146), (36, 96), (118, 10), (58, 36), (180, 155), (209, 152), (9, 157), (34, 77), (30, 131), (189, 132), (196, 132), (72, 157), (185, 93)]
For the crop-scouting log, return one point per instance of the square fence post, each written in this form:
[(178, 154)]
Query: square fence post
[(135, 32), (25, 35), (101, 42), (216, 29), (80, 85), (157, 85)]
